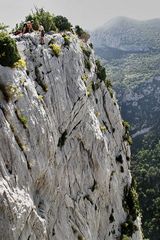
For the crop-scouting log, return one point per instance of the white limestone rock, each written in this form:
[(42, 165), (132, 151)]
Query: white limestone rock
[(59, 178)]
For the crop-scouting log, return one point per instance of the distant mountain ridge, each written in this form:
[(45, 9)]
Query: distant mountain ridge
[(128, 34)]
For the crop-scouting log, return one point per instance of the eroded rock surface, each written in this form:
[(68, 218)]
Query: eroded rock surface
[(59, 141)]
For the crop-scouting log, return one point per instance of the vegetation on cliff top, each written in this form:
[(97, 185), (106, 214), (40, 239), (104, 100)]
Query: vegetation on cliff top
[(8, 50), (49, 21)]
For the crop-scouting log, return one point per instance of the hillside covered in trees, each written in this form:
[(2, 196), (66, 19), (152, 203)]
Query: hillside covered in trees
[(130, 50)]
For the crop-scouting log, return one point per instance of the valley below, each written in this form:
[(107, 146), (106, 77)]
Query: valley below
[(130, 51)]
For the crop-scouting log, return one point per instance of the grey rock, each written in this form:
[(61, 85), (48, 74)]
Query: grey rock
[(58, 176)]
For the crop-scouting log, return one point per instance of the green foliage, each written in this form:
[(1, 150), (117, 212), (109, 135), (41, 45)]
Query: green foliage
[(40, 16), (126, 125), (126, 136), (91, 45), (133, 71), (8, 50), (131, 206), (129, 140), (108, 83), (97, 114), (22, 118), (89, 89), (110, 92), (62, 23), (128, 228), (87, 64), (18, 27), (101, 72), (103, 128), (56, 49), (10, 91), (134, 68), (81, 33), (48, 20), (67, 40), (3, 27), (21, 63), (125, 237), (84, 77), (147, 171), (86, 51), (131, 202)]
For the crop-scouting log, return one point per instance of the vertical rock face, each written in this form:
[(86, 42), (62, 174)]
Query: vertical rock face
[(64, 155)]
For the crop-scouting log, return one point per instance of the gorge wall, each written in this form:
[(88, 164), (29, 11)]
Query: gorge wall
[(64, 155)]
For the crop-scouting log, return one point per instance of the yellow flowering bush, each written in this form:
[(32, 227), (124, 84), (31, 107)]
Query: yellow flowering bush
[(21, 63), (56, 49)]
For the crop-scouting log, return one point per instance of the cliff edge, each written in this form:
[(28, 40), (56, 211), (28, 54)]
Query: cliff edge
[(64, 151)]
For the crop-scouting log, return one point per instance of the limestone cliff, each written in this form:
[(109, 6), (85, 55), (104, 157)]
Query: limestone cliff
[(64, 155)]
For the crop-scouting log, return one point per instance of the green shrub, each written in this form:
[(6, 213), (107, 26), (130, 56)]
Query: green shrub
[(56, 49), (101, 71), (43, 17), (110, 92), (21, 63), (81, 33), (125, 237), (128, 228), (103, 128), (66, 40), (62, 23), (10, 91), (87, 64), (8, 50), (86, 51), (18, 27), (91, 45), (84, 77), (131, 202), (97, 114), (126, 125), (127, 138), (108, 83), (132, 199)]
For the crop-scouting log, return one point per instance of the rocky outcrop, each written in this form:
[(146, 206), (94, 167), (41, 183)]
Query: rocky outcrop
[(64, 161)]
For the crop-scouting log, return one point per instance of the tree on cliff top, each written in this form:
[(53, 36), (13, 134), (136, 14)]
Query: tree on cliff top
[(45, 18)]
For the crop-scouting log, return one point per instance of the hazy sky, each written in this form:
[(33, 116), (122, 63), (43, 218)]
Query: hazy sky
[(87, 13)]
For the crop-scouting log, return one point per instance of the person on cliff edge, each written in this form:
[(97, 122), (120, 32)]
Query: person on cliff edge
[(41, 30)]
